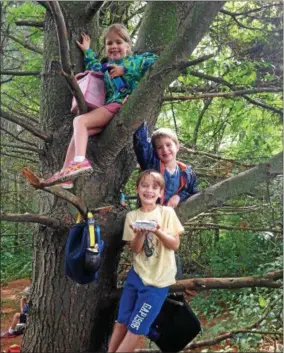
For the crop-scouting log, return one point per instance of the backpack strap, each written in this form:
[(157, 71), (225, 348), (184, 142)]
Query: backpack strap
[(91, 226)]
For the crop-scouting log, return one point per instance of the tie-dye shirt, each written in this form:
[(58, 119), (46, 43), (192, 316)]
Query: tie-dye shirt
[(134, 68)]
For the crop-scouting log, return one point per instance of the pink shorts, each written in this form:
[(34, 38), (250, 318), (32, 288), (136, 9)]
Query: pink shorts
[(113, 107)]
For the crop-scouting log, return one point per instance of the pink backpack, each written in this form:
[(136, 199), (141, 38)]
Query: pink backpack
[(93, 88)]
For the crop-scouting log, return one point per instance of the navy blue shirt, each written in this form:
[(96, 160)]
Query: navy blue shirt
[(172, 182)]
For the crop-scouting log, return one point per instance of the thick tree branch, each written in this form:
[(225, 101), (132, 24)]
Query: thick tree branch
[(219, 226), (26, 45), (221, 94), (92, 8), (35, 131), (200, 284), (33, 218), (216, 194), (30, 23), (64, 52)]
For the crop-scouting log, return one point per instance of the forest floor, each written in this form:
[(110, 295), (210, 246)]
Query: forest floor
[(10, 304)]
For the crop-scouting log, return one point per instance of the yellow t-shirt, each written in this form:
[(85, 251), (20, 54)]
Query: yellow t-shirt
[(155, 263)]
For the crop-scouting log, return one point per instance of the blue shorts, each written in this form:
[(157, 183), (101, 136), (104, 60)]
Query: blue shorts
[(139, 304)]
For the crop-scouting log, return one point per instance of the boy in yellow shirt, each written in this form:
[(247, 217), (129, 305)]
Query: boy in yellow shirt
[(154, 268)]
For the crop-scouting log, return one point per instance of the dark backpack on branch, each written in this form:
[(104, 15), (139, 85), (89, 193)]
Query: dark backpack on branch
[(83, 251), (175, 326)]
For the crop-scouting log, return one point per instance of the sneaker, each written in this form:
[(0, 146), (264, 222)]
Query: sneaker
[(66, 184), (73, 170), (7, 334)]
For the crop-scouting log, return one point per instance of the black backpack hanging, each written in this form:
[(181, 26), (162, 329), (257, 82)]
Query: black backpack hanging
[(83, 251), (175, 326)]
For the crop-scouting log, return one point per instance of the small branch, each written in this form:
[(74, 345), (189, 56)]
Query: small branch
[(64, 52), (26, 45), (200, 284), (219, 226), (139, 11), (30, 23), (18, 73), (44, 4), (238, 22), (221, 94), (251, 11), (227, 335), (186, 64), (232, 87), (18, 138), (18, 157), (265, 106), (36, 132), (213, 156), (27, 148), (68, 196), (30, 118), (33, 218), (92, 8), (199, 120)]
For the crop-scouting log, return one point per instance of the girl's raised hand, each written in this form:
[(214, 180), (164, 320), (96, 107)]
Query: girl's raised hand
[(86, 42)]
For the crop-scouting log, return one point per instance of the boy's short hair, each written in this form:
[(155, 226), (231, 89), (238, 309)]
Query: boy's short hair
[(158, 177), (164, 132)]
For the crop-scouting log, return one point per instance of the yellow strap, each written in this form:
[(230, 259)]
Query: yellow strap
[(91, 231), (79, 218)]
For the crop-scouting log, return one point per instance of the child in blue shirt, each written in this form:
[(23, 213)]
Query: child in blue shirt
[(159, 153)]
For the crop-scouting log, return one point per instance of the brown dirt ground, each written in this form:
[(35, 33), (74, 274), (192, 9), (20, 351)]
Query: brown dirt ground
[(10, 304)]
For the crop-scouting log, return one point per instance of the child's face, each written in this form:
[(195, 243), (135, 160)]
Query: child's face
[(166, 149), (149, 191), (116, 47)]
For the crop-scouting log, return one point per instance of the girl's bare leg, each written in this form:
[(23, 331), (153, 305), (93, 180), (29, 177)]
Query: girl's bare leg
[(97, 118), (117, 336), (70, 154)]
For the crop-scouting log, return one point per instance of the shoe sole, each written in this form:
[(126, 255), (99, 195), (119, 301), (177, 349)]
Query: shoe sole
[(66, 187), (73, 175)]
